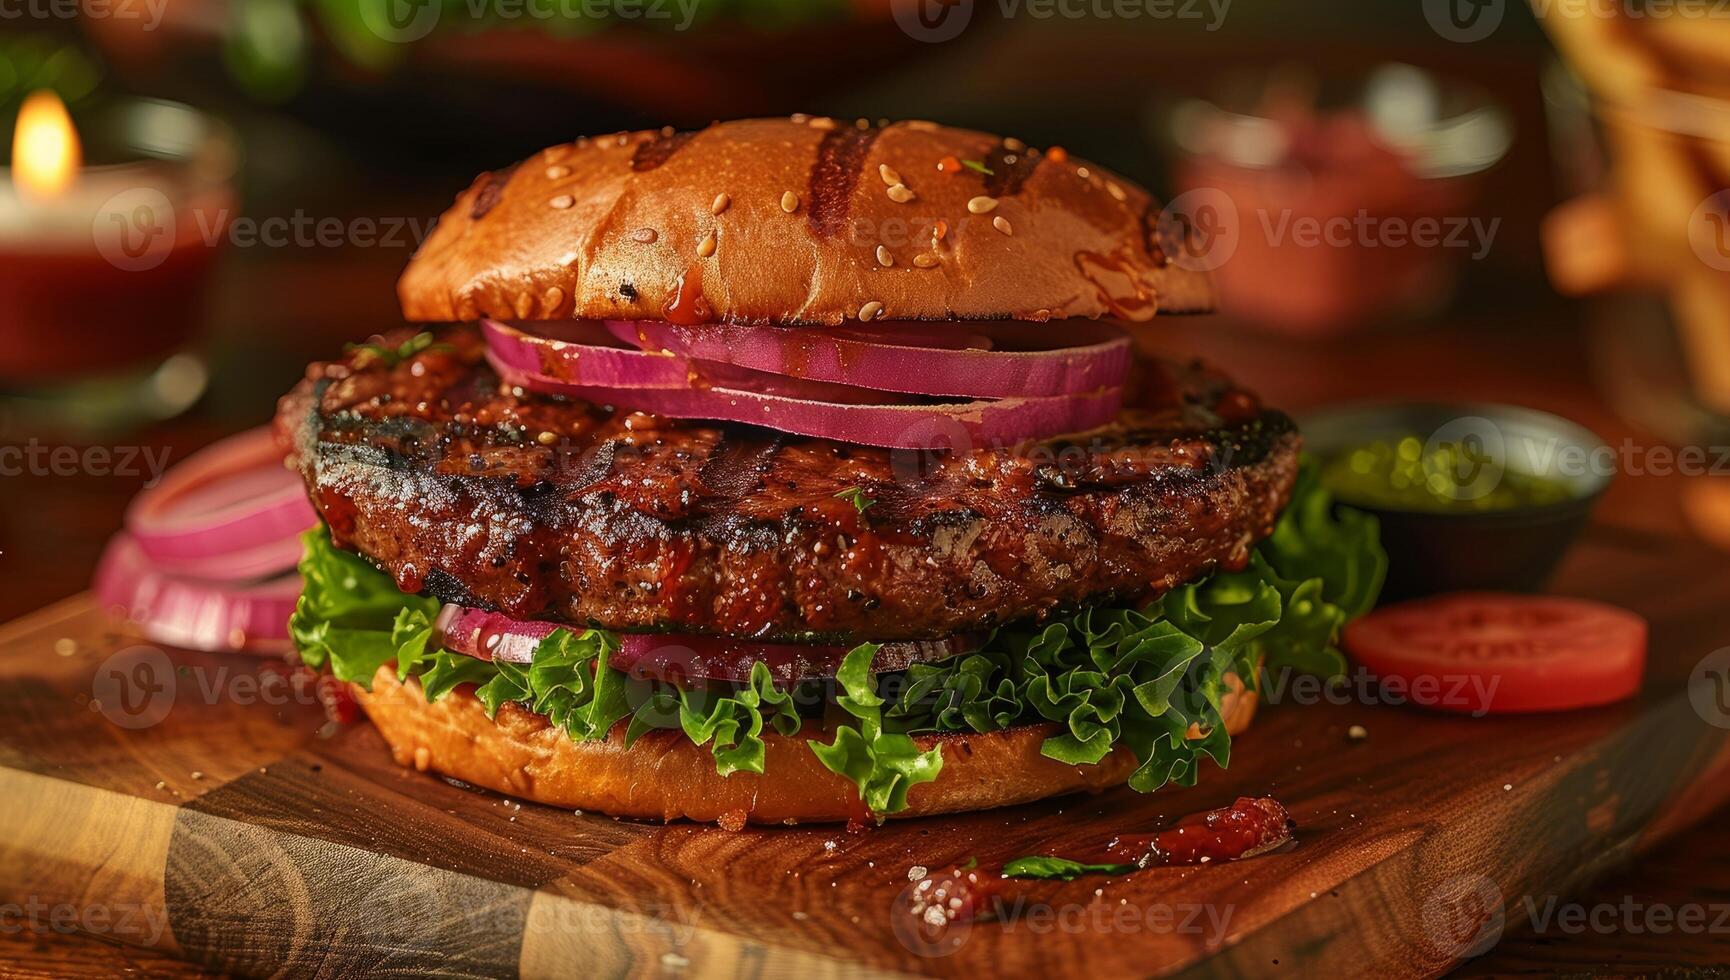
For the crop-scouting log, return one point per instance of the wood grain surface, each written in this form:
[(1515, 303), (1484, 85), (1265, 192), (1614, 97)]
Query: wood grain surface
[(255, 838)]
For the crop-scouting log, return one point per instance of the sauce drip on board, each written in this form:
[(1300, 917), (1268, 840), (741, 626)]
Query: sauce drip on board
[(956, 895), (1248, 827)]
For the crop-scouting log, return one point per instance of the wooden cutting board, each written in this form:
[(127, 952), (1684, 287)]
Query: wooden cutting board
[(195, 816)]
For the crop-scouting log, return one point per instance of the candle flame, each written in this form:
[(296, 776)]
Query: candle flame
[(45, 151)]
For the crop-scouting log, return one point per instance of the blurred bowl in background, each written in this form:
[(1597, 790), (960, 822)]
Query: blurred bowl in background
[(1352, 197), (1478, 496)]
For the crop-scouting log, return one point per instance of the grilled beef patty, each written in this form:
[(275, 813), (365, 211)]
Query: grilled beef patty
[(546, 508)]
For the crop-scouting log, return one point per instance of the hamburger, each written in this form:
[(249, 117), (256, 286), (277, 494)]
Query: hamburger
[(795, 470)]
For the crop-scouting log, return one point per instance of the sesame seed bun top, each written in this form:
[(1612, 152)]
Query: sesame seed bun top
[(804, 220)]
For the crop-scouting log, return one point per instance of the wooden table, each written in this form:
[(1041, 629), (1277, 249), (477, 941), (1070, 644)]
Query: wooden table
[(1527, 356)]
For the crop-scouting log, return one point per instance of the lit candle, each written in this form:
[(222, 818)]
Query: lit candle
[(46, 154), (103, 267)]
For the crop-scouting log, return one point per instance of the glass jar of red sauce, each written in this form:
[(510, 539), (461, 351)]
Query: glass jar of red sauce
[(1352, 201)]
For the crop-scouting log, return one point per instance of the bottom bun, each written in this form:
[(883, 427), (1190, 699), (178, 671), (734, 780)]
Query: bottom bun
[(664, 776)]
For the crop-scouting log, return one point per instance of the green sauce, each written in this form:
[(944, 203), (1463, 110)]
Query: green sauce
[(1444, 477)]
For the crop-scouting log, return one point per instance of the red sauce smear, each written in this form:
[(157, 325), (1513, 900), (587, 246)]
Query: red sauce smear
[(1248, 827)]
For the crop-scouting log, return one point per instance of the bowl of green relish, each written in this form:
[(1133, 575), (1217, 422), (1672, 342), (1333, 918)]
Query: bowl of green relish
[(1469, 496)]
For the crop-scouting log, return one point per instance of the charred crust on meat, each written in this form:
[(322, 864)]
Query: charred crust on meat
[(694, 527)]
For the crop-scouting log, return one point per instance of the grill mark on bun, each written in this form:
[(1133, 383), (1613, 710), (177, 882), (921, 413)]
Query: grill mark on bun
[(659, 150), (840, 159), (1009, 169), (491, 189)]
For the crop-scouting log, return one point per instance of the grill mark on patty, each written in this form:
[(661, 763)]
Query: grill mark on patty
[(840, 159), (492, 188), (659, 150)]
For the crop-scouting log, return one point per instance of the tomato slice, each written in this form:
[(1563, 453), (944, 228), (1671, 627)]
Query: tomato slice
[(1494, 653)]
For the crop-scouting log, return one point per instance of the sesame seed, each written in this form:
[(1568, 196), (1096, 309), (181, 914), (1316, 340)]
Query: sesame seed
[(1357, 733), (884, 256), (789, 202), (871, 310), (562, 202), (1083, 172), (821, 122), (668, 130), (554, 173), (888, 174), (922, 125), (645, 235), (1002, 224), (925, 260), (706, 247), (547, 438), (981, 204), (1115, 190), (800, 117), (66, 646), (900, 194), (1013, 145), (623, 139), (721, 202)]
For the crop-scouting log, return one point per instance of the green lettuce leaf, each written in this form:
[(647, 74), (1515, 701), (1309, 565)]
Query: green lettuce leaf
[(346, 611), (1060, 869), (883, 765), (732, 726)]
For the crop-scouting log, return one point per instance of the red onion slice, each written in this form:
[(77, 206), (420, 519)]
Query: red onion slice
[(954, 426), (192, 613), (490, 635), (571, 356), (677, 657), (584, 362), (233, 499), (905, 358)]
